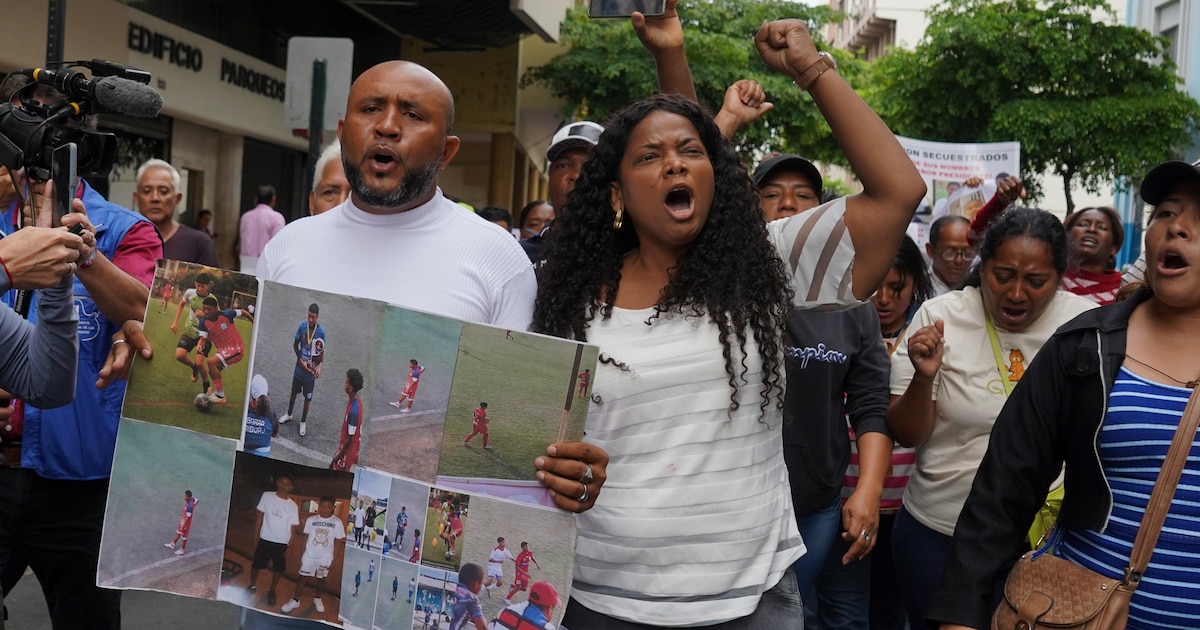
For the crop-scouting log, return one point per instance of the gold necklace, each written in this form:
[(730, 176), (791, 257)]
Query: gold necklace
[(1188, 384)]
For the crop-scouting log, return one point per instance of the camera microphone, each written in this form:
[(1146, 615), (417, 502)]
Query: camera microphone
[(122, 96), (111, 94)]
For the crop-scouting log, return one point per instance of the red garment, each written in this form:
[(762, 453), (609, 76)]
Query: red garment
[(983, 217), (1100, 288)]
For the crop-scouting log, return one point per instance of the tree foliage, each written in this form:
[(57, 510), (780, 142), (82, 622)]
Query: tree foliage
[(1088, 100), (606, 68)]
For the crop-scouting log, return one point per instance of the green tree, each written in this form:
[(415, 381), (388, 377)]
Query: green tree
[(606, 68), (1089, 101)]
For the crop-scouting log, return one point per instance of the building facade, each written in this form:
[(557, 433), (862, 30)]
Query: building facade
[(220, 68), (1179, 22)]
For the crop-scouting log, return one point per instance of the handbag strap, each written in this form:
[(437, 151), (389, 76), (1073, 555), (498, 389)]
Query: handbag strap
[(1164, 491)]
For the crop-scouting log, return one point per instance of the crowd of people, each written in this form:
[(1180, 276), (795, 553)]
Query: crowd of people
[(795, 419)]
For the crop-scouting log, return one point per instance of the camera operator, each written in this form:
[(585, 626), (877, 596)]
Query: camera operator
[(66, 453)]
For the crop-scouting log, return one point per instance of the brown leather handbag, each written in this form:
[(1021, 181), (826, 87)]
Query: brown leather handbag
[(1044, 591)]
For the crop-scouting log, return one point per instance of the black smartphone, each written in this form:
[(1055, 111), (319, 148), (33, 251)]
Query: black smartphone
[(63, 163), (625, 8)]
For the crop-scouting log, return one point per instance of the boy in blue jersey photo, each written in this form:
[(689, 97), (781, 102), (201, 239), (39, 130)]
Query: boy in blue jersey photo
[(309, 346)]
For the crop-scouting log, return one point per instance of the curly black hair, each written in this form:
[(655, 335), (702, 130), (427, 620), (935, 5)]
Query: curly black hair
[(1018, 221), (730, 273)]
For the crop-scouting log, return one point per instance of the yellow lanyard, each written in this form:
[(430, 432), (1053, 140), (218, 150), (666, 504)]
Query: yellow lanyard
[(1004, 382), (896, 344)]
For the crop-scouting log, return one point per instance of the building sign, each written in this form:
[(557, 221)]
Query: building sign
[(166, 48), (236, 74)]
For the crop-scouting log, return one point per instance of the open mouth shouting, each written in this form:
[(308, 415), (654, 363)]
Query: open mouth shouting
[(382, 159), (1013, 317), (1172, 263), (681, 202)]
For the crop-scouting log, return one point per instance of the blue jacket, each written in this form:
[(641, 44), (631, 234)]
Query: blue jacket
[(77, 441)]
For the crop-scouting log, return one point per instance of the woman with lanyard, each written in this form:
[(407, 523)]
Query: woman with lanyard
[(953, 375)]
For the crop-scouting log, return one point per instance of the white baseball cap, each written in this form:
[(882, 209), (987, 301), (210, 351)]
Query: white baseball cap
[(577, 135), (258, 386)]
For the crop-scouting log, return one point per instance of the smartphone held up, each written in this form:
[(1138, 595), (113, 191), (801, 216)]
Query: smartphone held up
[(625, 8), (64, 173)]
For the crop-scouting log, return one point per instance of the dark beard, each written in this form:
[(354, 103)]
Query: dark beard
[(416, 183)]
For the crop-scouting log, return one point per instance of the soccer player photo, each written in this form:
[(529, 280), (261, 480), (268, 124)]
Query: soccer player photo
[(445, 524), (309, 345), (192, 302), (218, 331), (398, 586), (185, 524), (479, 425), (346, 457), (307, 364), (415, 370), (406, 504), (206, 390), (518, 552), (360, 574), (509, 400), (413, 366), (168, 504)]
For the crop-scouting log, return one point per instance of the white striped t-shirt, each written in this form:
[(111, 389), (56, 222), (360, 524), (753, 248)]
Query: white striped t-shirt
[(695, 521)]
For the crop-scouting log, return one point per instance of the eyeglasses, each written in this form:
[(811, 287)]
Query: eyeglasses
[(949, 255)]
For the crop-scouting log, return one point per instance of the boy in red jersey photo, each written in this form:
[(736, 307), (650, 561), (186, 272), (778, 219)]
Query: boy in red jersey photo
[(218, 330), (479, 426)]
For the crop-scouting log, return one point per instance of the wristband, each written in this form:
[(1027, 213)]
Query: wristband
[(90, 260), (824, 62)]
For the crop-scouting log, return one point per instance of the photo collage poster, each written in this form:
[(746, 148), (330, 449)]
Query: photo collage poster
[(353, 468)]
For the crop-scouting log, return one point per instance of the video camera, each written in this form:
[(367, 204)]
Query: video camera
[(31, 128)]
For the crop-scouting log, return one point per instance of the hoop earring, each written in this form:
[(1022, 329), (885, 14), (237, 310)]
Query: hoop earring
[(620, 218)]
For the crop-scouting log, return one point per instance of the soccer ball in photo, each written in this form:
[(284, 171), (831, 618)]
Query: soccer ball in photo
[(449, 554), (203, 403)]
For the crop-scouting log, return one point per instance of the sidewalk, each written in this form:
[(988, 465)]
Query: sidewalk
[(142, 610)]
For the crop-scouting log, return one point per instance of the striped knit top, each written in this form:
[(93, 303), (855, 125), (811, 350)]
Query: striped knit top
[(695, 522), (1138, 429), (1100, 288)]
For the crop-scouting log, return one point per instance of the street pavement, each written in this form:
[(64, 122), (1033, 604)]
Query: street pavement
[(140, 610)]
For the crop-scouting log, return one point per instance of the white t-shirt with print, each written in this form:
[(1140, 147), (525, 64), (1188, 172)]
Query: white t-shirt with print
[(969, 395), (279, 516), (322, 533)]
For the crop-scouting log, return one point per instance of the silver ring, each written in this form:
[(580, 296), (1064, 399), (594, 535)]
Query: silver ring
[(117, 341), (865, 536), (587, 476), (584, 497), (72, 266)]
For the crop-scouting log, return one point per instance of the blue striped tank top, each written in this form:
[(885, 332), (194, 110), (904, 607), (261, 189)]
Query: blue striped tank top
[(1141, 421)]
